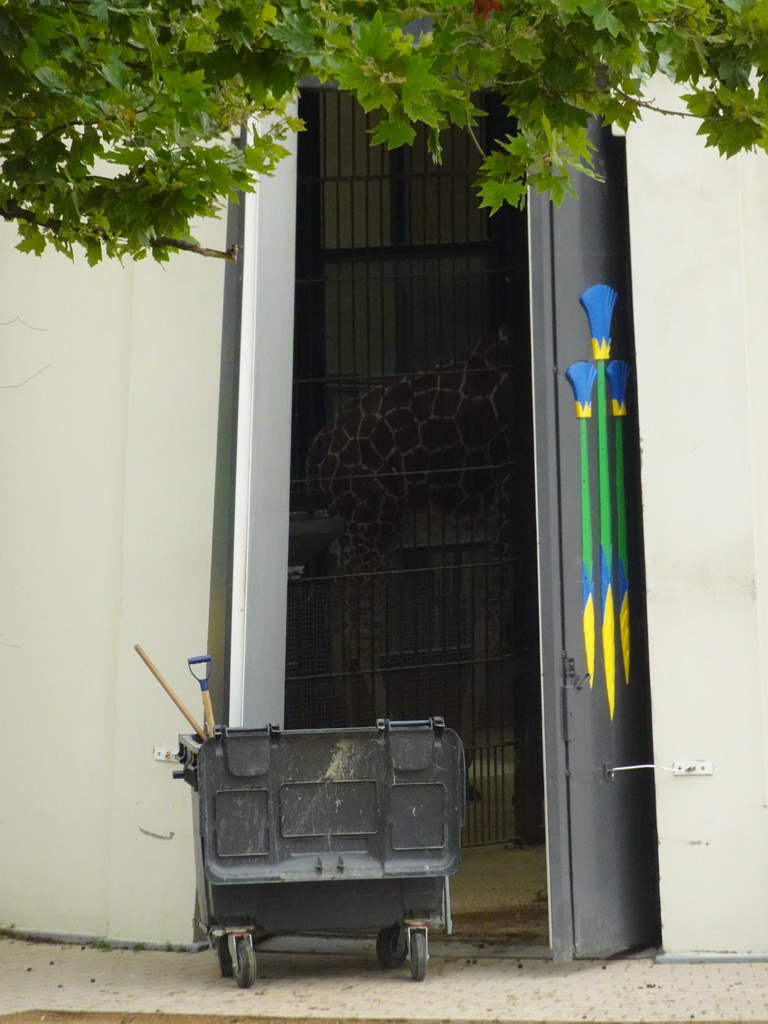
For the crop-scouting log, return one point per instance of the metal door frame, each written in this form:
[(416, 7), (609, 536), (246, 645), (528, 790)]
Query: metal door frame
[(541, 215), (545, 425)]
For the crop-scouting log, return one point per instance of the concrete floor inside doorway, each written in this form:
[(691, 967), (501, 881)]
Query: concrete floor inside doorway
[(499, 896)]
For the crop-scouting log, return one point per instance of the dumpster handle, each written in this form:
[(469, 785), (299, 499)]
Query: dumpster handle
[(384, 724)]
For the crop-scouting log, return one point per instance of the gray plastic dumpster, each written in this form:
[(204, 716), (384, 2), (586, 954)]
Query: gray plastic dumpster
[(325, 830)]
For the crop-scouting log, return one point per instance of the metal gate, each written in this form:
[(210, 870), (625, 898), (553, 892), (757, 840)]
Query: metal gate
[(412, 425)]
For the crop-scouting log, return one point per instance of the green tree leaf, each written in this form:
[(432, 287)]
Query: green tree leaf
[(50, 79), (158, 94), (393, 133)]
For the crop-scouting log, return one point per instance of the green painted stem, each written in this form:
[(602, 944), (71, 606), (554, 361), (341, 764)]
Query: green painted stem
[(621, 504), (606, 552), (586, 511), (603, 462)]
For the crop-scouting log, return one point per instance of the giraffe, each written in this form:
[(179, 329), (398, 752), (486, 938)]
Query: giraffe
[(433, 443)]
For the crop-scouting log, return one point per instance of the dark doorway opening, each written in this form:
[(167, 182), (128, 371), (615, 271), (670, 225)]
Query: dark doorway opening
[(412, 423)]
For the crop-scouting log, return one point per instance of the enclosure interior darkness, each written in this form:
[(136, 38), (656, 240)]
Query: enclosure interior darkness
[(412, 426)]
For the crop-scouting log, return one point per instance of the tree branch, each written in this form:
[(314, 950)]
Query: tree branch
[(15, 212), (163, 242), (650, 105), (476, 143)]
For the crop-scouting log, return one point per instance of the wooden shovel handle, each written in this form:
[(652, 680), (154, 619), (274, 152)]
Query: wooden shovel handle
[(210, 721), (153, 669)]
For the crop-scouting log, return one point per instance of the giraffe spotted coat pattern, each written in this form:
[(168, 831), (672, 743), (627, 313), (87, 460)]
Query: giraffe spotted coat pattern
[(439, 444), (439, 440)]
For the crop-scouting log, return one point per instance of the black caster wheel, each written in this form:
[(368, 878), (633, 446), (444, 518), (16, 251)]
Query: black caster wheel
[(391, 946), (225, 958), (245, 971), (418, 954)]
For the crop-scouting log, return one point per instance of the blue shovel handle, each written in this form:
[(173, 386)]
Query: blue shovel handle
[(202, 659)]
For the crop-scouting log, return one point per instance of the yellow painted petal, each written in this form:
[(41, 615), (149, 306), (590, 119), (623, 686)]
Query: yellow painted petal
[(624, 633), (589, 637)]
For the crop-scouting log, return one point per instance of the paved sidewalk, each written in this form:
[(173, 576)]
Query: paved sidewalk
[(350, 984)]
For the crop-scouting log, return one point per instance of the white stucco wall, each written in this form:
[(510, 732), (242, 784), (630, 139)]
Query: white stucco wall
[(699, 228), (107, 470)]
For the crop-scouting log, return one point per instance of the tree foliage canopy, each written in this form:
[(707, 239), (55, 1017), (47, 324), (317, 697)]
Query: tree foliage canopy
[(120, 121)]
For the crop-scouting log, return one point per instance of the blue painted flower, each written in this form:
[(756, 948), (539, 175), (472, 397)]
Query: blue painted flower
[(617, 372), (582, 376), (598, 302)]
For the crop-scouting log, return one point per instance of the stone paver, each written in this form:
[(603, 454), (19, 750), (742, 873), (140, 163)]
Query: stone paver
[(352, 985)]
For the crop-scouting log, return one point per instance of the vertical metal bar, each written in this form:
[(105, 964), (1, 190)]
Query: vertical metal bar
[(337, 154), (550, 574)]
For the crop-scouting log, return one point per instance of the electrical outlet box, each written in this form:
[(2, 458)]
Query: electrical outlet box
[(693, 767)]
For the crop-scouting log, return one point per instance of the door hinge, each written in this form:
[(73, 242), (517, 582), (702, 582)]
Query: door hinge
[(567, 737), (571, 680)]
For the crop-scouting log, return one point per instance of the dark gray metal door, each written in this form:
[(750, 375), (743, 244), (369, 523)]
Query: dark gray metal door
[(600, 822)]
